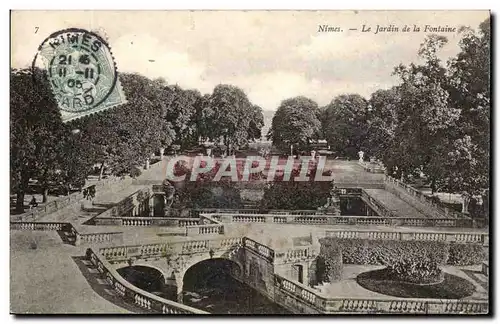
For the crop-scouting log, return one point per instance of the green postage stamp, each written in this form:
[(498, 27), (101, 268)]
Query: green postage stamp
[(81, 71)]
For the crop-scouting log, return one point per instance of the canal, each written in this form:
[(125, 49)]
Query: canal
[(207, 286)]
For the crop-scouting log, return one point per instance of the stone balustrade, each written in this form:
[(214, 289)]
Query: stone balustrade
[(48, 208), (405, 306), (147, 221), (209, 229), (130, 293), (248, 219), (214, 211), (126, 205), (39, 226), (259, 249), (155, 250), (75, 197), (482, 238), (419, 200), (310, 300), (136, 221), (295, 254), (341, 220), (74, 236), (90, 238)]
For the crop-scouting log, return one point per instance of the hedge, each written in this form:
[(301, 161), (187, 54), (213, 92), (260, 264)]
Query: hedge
[(467, 254), (329, 263), (362, 251)]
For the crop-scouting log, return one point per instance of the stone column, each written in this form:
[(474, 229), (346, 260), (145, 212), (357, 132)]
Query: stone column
[(151, 205), (465, 204), (178, 281)]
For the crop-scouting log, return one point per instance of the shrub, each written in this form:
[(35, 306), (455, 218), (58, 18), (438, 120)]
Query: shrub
[(409, 261), (329, 263), (135, 172), (466, 254)]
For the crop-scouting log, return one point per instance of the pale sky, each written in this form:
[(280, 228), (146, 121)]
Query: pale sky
[(271, 55)]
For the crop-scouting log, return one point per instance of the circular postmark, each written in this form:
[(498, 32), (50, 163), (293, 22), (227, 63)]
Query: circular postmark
[(80, 68)]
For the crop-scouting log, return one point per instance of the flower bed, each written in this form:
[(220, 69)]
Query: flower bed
[(449, 287), (408, 261)]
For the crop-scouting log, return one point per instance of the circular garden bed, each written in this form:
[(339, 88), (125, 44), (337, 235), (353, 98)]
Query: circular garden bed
[(450, 287)]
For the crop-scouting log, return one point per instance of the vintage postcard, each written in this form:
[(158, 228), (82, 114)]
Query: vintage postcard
[(250, 162)]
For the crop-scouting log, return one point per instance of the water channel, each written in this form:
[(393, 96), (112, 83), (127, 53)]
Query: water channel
[(207, 286)]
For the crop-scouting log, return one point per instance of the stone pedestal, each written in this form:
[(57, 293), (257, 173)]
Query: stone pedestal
[(334, 206)]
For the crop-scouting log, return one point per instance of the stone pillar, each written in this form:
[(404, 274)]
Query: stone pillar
[(77, 239), (361, 155), (178, 281), (465, 204), (151, 205), (334, 204)]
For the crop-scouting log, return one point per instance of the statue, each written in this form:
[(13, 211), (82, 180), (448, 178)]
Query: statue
[(361, 154), (332, 205), (169, 190)]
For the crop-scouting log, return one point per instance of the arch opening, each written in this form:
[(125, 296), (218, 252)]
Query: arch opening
[(149, 279), (216, 285)]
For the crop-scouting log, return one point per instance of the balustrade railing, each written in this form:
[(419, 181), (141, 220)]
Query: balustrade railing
[(62, 202), (482, 238), (419, 200), (295, 254), (73, 235), (39, 226), (214, 211), (341, 220), (131, 293), (146, 251), (208, 229), (320, 303), (258, 248), (153, 221), (97, 237)]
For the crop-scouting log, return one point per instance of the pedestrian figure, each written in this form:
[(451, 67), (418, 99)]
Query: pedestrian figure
[(85, 193), (92, 192), (33, 202)]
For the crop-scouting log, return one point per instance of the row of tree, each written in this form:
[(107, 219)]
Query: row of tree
[(436, 121), (157, 115)]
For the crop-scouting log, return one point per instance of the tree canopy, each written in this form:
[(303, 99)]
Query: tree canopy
[(295, 123)]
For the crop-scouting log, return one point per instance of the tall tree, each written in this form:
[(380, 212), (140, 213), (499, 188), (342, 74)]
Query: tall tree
[(345, 124), (256, 123), (127, 135), (232, 113), (470, 75), (425, 119), (38, 138), (182, 114), (382, 122), (295, 123)]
